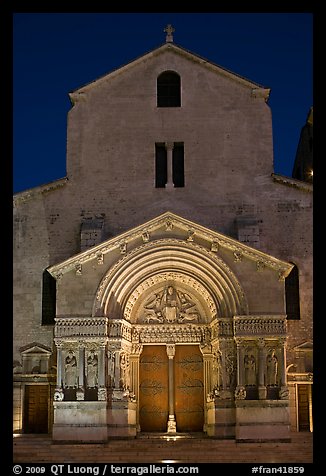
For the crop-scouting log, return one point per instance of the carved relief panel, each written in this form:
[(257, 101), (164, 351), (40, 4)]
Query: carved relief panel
[(169, 305)]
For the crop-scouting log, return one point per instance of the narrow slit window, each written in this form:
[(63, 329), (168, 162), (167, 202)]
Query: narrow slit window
[(48, 299), (168, 89), (178, 165), (160, 165), (292, 295)]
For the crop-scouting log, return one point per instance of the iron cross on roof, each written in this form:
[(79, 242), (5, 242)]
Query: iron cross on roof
[(169, 30)]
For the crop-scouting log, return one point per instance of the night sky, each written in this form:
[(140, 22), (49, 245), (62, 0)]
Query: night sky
[(55, 53)]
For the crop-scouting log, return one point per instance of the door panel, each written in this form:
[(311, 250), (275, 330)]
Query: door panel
[(36, 409), (189, 388), (153, 388), (303, 407)]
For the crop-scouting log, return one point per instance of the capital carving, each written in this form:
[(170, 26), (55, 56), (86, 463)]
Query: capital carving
[(170, 350), (136, 349)]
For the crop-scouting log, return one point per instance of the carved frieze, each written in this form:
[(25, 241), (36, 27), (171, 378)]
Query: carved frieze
[(259, 325), (69, 327), (118, 328), (222, 327), (165, 333)]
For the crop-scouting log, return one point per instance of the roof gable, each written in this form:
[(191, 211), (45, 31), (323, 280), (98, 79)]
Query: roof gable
[(257, 89), (186, 230)]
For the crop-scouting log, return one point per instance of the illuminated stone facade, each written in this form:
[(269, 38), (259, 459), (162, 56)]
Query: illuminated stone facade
[(202, 265)]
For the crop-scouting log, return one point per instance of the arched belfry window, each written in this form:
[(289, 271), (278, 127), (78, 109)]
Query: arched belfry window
[(168, 89), (292, 296)]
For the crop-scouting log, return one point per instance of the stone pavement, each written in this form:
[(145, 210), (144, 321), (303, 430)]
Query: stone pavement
[(41, 449)]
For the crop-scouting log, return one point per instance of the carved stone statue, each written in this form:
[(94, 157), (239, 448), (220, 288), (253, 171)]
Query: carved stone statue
[(70, 370), (111, 368), (217, 370), (92, 370), (169, 302), (124, 371), (153, 309), (187, 311), (272, 369), (250, 370)]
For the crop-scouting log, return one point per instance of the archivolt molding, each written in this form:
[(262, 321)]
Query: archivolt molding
[(164, 259)]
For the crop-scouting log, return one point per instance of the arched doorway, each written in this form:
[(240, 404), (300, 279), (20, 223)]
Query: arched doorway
[(169, 296)]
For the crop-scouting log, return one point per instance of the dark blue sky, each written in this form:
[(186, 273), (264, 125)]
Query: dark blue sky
[(55, 53)]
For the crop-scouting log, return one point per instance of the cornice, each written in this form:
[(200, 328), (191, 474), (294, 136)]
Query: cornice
[(291, 182), (193, 233), (31, 193)]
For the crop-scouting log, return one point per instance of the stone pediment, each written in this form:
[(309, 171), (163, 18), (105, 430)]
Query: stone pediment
[(304, 347), (163, 228), (257, 90), (35, 348)]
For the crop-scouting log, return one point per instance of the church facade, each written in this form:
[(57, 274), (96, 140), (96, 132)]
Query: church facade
[(165, 284)]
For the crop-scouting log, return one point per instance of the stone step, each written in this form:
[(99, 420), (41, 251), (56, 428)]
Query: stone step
[(41, 449)]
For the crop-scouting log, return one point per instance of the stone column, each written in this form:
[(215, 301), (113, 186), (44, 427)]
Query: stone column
[(80, 393), (172, 426), (134, 368), (136, 350), (240, 391), (262, 390), (169, 161), (117, 370), (240, 364), (101, 390), (282, 363), (206, 350), (59, 366), (284, 391)]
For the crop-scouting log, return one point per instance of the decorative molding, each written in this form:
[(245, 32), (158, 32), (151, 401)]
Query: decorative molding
[(167, 221), (183, 250)]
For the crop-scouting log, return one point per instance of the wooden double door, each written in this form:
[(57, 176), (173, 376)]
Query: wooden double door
[(187, 394), (36, 409)]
